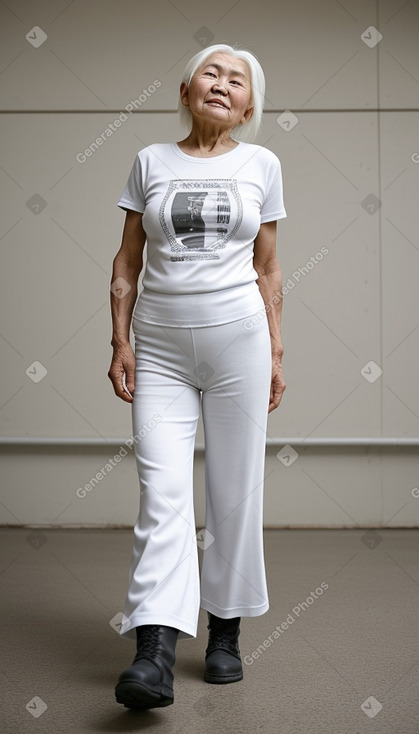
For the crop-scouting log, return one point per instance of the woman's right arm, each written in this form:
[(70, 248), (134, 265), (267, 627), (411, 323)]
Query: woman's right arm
[(127, 266)]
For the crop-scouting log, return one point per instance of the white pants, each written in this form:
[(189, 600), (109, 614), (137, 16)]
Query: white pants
[(226, 369)]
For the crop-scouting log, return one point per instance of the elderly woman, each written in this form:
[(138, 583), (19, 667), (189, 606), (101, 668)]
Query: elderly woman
[(207, 335)]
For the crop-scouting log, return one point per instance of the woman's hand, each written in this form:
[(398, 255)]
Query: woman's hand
[(277, 383), (123, 365)]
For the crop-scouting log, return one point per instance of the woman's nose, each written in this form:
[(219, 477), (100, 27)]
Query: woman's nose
[(216, 87)]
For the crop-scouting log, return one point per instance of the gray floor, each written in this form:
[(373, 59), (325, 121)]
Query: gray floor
[(343, 659)]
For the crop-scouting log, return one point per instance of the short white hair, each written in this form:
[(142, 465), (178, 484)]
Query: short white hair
[(249, 130)]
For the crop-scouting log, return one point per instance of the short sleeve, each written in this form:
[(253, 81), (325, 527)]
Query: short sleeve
[(132, 196), (273, 207)]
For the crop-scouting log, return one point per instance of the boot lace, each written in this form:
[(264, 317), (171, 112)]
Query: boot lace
[(147, 641), (223, 636)]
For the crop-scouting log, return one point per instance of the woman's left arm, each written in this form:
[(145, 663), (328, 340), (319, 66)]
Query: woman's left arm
[(269, 281)]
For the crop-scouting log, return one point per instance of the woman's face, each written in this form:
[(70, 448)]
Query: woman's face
[(220, 91)]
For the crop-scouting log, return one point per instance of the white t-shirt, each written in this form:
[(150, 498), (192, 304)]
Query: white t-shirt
[(201, 217)]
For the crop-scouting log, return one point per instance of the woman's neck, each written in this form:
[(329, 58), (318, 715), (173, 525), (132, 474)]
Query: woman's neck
[(205, 143)]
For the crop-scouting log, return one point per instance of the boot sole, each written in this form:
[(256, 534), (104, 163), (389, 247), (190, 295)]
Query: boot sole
[(136, 696), (212, 678)]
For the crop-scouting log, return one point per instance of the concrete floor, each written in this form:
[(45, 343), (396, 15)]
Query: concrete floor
[(344, 659)]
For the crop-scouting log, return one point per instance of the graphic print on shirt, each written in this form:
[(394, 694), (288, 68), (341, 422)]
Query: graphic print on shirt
[(200, 216)]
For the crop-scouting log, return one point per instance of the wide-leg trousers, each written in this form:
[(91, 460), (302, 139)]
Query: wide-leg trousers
[(225, 371)]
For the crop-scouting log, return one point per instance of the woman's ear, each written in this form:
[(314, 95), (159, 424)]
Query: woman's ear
[(184, 94), (247, 115)]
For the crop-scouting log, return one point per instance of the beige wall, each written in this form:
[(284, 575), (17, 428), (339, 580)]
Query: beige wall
[(355, 144)]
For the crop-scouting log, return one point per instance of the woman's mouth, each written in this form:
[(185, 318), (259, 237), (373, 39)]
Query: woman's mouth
[(217, 103)]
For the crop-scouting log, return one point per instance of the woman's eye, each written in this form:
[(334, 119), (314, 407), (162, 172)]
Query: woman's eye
[(211, 73)]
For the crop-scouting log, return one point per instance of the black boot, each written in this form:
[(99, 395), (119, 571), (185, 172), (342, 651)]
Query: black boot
[(148, 682), (222, 656)]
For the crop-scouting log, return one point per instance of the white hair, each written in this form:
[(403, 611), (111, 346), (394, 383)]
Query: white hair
[(249, 130)]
